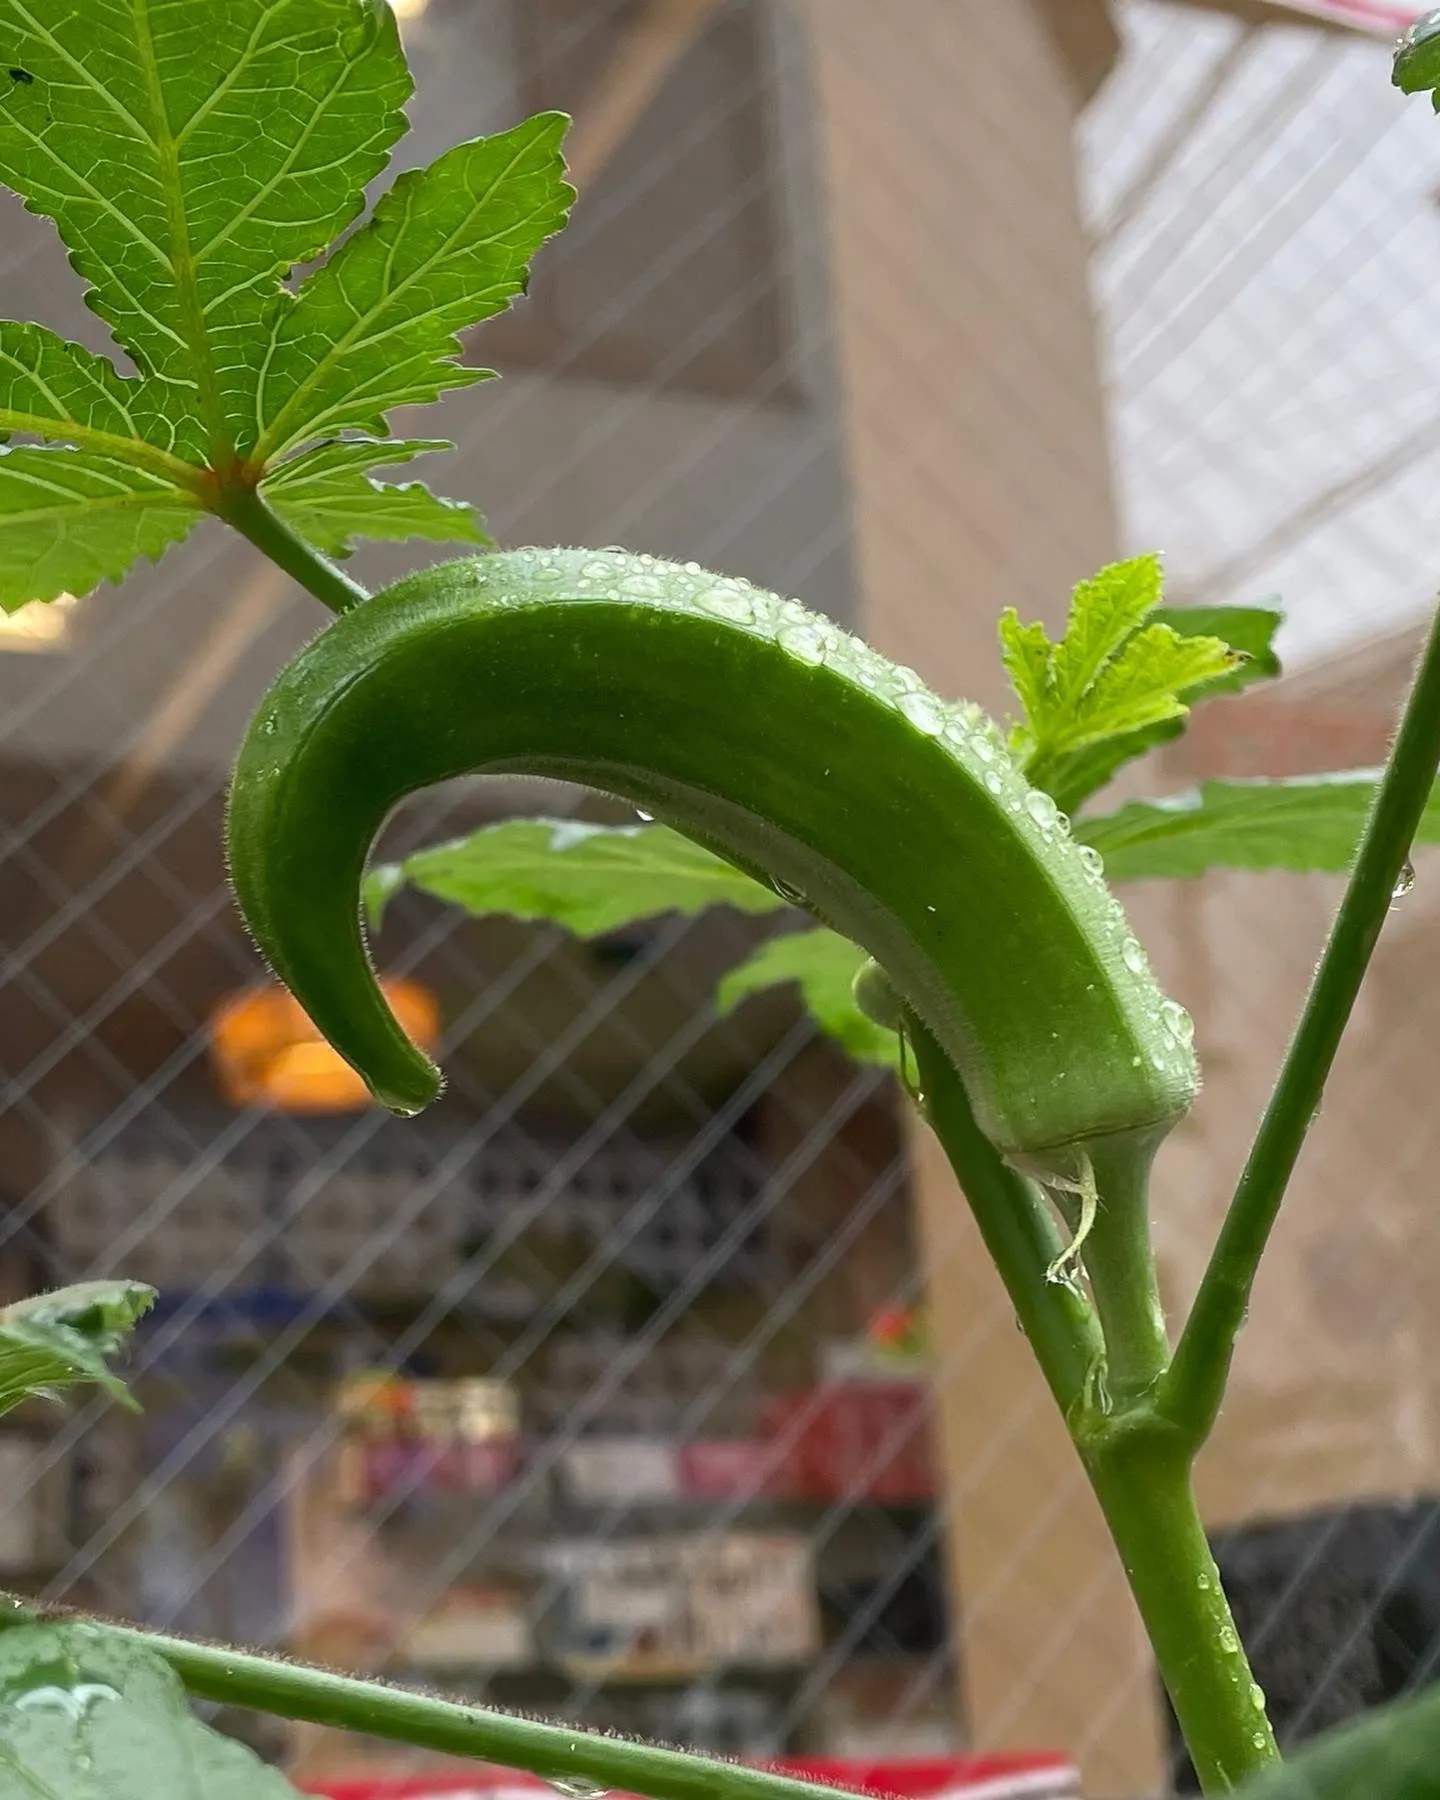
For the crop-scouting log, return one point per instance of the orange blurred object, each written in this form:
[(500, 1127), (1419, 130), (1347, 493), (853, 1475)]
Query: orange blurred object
[(266, 1051)]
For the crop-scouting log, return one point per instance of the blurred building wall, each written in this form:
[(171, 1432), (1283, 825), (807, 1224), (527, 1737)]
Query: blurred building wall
[(980, 477)]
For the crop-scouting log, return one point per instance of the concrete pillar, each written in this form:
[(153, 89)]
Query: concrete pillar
[(980, 477)]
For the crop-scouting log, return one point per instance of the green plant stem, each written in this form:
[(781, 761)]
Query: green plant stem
[(1121, 1265), (247, 512), (553, 1752), (1136, 1461), (1192, 1391), (1019, 1232), (1141, 1478)]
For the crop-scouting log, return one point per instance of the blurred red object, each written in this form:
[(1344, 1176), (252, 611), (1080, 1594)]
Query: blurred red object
[(857, 1440), (1042, 1776), (377, 1470), (725, 1468)]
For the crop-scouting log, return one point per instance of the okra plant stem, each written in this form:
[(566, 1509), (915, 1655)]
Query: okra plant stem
[(1121, 1266), (1136, 1462), (245, 509), (1019, 1232), (1192, 1391), (555, 1753), (1141, 1477)]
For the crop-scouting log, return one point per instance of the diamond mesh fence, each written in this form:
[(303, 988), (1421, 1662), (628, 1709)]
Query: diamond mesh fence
[(591, 1394)]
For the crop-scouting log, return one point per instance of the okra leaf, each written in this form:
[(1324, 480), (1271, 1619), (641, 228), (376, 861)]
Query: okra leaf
[(1311, 822), (1115, 672), (56, 1340), (327, 496), (1105, 611), (824, 966), (374, 328), (1072, 775), (594, 879), (589, 878), (190, 156), (62, 393), (70, 519), (88, 1715), (1248, 630)]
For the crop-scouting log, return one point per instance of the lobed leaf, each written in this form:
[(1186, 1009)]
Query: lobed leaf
[(1071, 777), (1104, 612), (327, 496), (70, 519), (65, 394), (589, 878), (88, 1715), (190, 156), (824, 966), (375, 327), (1248, 630), (1143, 683), (1025, 651), (57, 1340), (1312, 822)]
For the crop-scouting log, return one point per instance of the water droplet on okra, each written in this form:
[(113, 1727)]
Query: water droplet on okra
[(805, 643), (727, 603), (924, 712), (1042, 809)]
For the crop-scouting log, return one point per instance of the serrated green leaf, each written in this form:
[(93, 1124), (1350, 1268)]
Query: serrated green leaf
[(1104, 612), (62, 393), (56, 1340), (327, 496), (88, 1715), (1026, 651), (1143, 684), (191, 156), (1311, 822), (1072, 778), (1248, 630), (375, 328), (589, 878), (824, 966), (1112, 675), (70, 519)]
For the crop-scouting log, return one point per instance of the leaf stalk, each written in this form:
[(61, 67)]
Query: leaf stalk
[(244, 508)]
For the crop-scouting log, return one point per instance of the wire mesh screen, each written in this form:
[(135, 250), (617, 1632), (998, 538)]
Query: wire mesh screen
[(589, 1394)]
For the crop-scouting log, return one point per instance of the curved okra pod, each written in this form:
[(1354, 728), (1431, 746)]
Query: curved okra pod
[(763, 732)]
